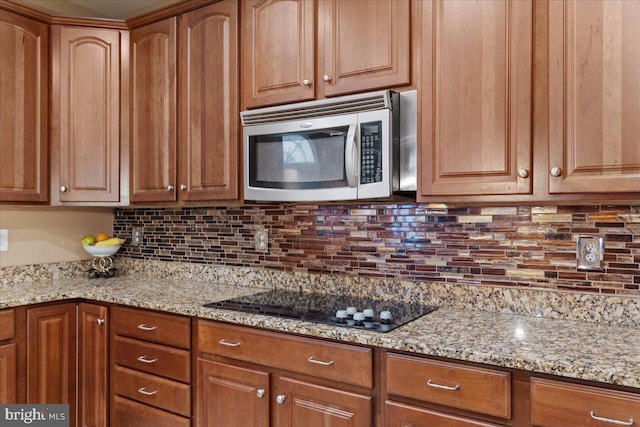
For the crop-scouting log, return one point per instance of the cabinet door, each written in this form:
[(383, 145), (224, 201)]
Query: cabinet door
[(278, 60), (476, 89), (8, 373), (24, 76), (85, 115), (594, 96), (208, 113), (402, 415), (363, 45), (153, 112), (299, 403), (51, 355), (93, 339), (231, 396)]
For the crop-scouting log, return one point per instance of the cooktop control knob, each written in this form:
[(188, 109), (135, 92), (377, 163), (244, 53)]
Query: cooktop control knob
[(368, 313), (385, 317), (358, 317), (351, 311), (341, 316)]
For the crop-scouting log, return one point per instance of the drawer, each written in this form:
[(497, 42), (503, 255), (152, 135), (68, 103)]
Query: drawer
[(485, 391), (338, 362), (559, 404), (400, 414), (146, 325), (154, 359), (126, 412), (7, 324), (155, 391)]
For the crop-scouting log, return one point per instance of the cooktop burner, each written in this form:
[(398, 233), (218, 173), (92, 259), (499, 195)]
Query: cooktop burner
[(363, 313)]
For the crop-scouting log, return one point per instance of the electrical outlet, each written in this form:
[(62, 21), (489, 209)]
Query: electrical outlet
[(4, 240), (136, 236), (590, 253), (262, 240)]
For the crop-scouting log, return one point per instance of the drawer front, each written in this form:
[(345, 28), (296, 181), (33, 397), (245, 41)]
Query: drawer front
[(337, 362), (559, 404), (152, 358), (155, 391), (126, 412), (402, 415), (146, 325), (480, 390), (7, 324)]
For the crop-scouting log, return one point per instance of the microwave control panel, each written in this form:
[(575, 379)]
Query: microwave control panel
[(370, 152)]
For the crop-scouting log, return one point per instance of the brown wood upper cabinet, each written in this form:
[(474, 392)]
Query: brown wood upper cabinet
[(361, 45), (24, 64), (86, 122), (594, 96), (199, 162), (476, 97)]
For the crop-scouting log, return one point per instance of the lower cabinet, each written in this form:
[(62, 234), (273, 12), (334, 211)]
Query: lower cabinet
[(403, 415), (8, 357), (252, 378)]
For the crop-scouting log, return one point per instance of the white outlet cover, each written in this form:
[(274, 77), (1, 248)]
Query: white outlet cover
[(4, 240)]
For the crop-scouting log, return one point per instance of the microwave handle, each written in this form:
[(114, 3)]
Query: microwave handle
[(351, 156)]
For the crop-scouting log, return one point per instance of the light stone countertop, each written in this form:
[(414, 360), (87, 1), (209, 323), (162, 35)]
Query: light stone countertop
[(569, 348)]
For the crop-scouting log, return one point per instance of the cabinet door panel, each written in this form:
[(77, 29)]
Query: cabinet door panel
[(313, 405), (86, 102), (8, 373), (594, 96), (208, 103), (401, 415), (476, 97), (229, 395), (153, 113), (363, 45), (24, 63), (279, 51), (93, 339)]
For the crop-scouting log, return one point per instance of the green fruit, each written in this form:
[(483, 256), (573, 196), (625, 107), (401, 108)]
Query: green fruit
[(88, 240)]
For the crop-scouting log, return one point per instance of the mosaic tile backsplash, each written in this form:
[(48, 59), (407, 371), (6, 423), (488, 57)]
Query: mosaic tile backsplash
[(526, 246)]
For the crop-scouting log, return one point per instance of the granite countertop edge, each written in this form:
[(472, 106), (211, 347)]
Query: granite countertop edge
[(566, 348)]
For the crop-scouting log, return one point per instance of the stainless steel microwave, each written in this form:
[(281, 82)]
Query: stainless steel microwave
[(344, 148)]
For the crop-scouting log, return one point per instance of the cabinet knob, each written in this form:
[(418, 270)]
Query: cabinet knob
[(523, 173), (260, 392), (306, 82), (326, 78), (183, 187), (100, 322), (63, 189), (169, 187), (280, 399), (556, 171)]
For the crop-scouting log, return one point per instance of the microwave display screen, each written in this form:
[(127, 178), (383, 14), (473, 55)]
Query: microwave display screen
[(371, 148), (299, 160)]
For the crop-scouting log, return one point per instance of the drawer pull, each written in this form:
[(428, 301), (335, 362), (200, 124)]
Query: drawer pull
[(229, 344), (320, 362), (144, 359), (443, 387), (144, 327), (611, 421), (141, 390)]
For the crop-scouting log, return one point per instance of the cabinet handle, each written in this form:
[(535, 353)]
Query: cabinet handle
[(280, 399), (183, 187), (556, 171), (169, 187), (523, 173), (144, 327), (63, 189), (326, 78), (100, 322), (320, 362), (229, 344), (141, 390), (306, 82), (443, 387), (260, 392), (144, 359), (611, 421)]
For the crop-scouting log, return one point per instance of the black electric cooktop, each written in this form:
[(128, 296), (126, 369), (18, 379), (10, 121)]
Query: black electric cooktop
[(379, 315)]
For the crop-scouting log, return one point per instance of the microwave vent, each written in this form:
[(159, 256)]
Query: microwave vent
[(315, 109)]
